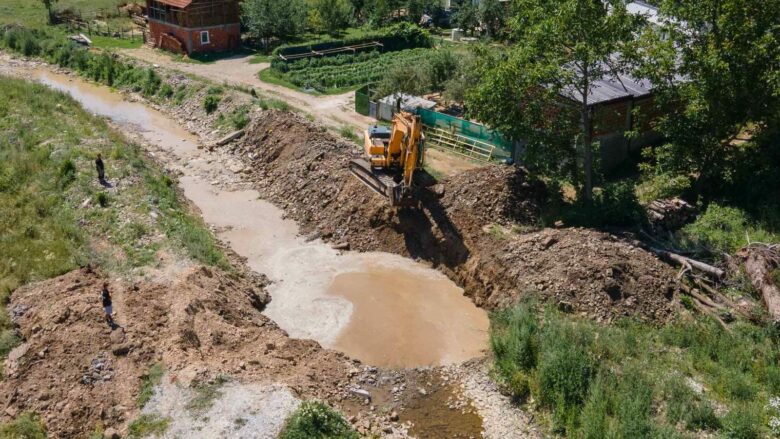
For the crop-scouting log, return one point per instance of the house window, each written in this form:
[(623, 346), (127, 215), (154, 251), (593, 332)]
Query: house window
[(204, 37)]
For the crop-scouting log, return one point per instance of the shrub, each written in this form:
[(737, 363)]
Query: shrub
[(151, 83), (210, 103), (26, 426), (723, 229), (240, 118), (166, 91), (743, 422), (314, 419), (102, 199), (66, 174)]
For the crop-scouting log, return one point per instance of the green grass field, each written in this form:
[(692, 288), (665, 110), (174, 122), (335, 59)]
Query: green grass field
[(32, 13)]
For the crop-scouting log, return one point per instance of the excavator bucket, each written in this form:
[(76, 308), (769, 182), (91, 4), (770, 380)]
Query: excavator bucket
[(377, 181)]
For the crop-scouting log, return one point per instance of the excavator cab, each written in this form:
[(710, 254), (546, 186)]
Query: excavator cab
[(391, 157)]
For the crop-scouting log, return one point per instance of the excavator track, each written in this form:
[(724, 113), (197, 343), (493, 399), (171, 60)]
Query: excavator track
[(377, 181)]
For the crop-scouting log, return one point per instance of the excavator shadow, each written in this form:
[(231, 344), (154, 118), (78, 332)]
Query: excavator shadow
[(429, 234)]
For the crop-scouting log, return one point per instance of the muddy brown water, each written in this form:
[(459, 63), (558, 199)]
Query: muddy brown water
[(381, 308)]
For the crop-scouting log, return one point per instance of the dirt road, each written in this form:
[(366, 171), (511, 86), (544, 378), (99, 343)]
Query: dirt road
[(333, 111)]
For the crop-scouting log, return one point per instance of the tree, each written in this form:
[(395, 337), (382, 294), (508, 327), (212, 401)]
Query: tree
[(267, 19), (539, 89), (491, 15), (712, 68), (49, 5), (330, 15), (465, 16)]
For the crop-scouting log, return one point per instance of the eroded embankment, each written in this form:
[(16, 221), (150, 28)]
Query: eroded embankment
[(471, 226)]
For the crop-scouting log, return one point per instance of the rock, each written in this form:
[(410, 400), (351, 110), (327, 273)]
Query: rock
[(438, 190), (548, 242), (230, 137), (11, 412), (121, 350), (394, 416), (111, 433), (422, 391), (340, 246), (362, 393), (117, 336)]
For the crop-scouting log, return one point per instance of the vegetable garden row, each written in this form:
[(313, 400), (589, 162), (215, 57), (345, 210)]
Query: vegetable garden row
[(348, 70)]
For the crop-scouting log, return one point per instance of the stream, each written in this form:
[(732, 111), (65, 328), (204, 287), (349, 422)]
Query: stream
[(381, 308)]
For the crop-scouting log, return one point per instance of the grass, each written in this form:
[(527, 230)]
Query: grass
[(205, 395), (314, 419), (26, 426), (33, 14), (148, 382), (633, 380), (723, 229), (148, 425), (116, 43)]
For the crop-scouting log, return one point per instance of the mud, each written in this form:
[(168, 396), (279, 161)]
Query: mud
[(423, 321), (480, 227)]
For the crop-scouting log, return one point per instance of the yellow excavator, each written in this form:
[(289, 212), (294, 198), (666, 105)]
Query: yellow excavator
[(392, 156)]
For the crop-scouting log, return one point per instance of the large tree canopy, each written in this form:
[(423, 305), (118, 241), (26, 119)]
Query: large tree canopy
[(266, 19), (714, 67), (560, 49)]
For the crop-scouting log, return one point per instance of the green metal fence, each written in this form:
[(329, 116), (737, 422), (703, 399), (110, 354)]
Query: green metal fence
[(467, 133), (362, 101)]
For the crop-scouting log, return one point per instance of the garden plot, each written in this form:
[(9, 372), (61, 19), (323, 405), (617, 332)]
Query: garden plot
[(328, 73)]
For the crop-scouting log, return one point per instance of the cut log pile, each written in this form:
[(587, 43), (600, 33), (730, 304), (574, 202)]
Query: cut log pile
[(762, 264), (670, 214)]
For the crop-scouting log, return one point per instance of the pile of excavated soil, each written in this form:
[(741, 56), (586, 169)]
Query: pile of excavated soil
[(77, 372), (473, 226)]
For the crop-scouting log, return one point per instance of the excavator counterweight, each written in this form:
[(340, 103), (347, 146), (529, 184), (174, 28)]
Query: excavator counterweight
[(391, 157)]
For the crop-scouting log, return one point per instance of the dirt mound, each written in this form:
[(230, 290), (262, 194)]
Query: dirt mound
[(76, 371), (474, 226)]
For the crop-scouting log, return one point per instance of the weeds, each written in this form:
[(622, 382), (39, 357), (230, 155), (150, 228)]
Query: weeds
[(611, 381), (148, 425), (314, 419), (148, 382), (205, 396), (211, 103), (26, 426), (723, 229)]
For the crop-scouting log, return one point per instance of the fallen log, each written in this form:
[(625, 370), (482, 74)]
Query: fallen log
[(759, 264), (713, 271)]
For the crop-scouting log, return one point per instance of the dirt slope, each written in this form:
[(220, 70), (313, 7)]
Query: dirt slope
[(473, 226), (77, 372)]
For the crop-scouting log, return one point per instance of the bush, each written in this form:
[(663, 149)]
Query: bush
[(240, 118), (66, 174), (723, 229), (166, 91), (314, 419), (102, 199), (743, 422), (26, 426), (210, 103)]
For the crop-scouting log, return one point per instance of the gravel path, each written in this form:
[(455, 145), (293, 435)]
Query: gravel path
[(236, 410)]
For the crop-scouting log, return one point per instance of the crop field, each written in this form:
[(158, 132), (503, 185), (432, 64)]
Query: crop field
[(341, 71)]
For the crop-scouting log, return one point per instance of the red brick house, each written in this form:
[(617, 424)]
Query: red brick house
[(191, 26)]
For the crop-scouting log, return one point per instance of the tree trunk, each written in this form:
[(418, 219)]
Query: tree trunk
[(587, 139), (759, 269)]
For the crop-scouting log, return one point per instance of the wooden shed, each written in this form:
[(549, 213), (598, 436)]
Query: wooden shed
[(193, 26)]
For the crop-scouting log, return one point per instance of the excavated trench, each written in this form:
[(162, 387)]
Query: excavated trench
[(381, 308)]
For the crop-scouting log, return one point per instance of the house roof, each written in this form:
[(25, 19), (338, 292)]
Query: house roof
[(176, 3), (612, 88)]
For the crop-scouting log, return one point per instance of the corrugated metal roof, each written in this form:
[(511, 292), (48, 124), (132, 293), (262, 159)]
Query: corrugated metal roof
[(176, 3), (612, 89)]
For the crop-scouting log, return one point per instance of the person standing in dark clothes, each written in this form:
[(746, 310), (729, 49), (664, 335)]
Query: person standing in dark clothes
[(105, 296), (101, 169)]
